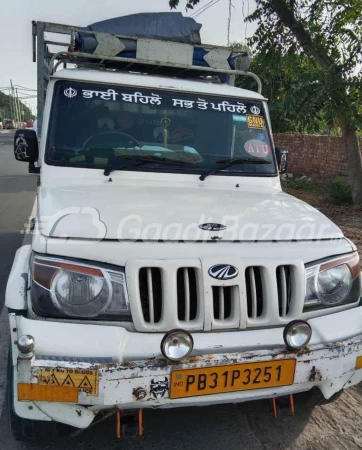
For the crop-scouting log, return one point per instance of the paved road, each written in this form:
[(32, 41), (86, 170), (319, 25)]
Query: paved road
[(17, 191), (247, 426)]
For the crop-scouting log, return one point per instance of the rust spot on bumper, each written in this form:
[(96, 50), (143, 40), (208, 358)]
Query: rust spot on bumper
[(315, 375)]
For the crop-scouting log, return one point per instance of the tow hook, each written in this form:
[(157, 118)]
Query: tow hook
[(276, 408), (129, 423)]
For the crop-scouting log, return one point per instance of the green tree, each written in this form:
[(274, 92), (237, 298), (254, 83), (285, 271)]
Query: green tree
[(297, 91), (330, 33), (5, 109)]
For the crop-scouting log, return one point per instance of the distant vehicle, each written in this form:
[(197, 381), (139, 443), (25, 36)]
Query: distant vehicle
[(8, 124)]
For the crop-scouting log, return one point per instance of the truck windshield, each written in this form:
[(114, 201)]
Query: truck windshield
[(97, 125)]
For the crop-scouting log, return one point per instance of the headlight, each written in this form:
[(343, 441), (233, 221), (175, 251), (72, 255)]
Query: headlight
[(74, 289), (333, 283)]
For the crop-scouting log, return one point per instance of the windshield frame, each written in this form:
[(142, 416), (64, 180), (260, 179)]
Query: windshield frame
[(155, 166)]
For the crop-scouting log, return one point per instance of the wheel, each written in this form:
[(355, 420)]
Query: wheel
[(314, 397), (310, 399), (26, 430)]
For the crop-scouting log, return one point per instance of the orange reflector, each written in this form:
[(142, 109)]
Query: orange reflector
[(359, 362), (44, 393)]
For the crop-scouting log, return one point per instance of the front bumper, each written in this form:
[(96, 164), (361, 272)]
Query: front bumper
[(129, 365)]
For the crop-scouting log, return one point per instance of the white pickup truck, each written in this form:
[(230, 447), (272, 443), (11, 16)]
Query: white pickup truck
[(167, 268)]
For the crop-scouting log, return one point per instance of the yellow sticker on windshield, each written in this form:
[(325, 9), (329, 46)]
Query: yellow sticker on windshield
[(255, 121)]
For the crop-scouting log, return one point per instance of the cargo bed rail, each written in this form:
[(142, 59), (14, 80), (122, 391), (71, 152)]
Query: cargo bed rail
[(151, 56)]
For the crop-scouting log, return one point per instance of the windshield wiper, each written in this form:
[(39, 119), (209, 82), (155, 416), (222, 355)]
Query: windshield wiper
[(143, 160), (230, 162)]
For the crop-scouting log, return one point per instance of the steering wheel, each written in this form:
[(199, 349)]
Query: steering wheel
[(104, 143)]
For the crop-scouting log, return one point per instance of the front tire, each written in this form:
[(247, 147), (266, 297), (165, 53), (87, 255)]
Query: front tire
[(314, 397)]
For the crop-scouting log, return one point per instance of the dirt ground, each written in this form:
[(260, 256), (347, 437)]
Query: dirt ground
[(331, 427), (346, 216), (247, 426)]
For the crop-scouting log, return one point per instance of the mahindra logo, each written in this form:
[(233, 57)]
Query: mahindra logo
[(212, 227), (223, 272)]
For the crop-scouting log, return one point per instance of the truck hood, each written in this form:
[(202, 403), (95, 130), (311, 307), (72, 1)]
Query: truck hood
[(175, 213)]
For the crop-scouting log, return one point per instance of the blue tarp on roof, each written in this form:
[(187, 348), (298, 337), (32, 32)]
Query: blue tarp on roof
[(168, 26)]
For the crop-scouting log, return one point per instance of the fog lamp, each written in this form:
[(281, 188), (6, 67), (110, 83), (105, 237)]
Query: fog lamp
[(26, 344), (176, 345), (297, 334)]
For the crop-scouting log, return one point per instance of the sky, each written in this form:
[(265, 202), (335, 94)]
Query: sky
[(15, 26)]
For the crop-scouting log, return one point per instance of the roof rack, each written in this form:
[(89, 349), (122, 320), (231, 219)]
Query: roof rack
[(151, 56)]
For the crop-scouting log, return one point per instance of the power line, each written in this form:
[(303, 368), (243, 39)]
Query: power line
[(206, 7), (22, 88), (229, 21), (217, 1), (245, 14), (201, 8)]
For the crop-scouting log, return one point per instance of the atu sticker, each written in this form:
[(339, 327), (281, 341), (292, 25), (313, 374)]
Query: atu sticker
[(255, 121), (257, 148)]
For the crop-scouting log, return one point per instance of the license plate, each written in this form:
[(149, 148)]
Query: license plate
[(231, 378)]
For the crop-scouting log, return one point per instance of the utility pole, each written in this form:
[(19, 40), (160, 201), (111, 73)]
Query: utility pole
[(20, 107), (11, 105), (15, 103), (15, 109)]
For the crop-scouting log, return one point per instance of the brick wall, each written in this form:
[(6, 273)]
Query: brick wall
[(309, 154)]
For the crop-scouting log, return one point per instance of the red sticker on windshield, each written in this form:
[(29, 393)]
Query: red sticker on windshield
[(257, 148)]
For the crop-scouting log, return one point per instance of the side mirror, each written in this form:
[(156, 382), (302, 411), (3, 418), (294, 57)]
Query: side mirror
[(26, 145), (26, 148), (282, 158)]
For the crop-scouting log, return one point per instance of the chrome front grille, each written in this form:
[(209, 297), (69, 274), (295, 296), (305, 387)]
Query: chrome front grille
[(169, 294)]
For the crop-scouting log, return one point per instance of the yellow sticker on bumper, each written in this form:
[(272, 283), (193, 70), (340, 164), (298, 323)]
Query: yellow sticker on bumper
[(84, 380), (44, 393)]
